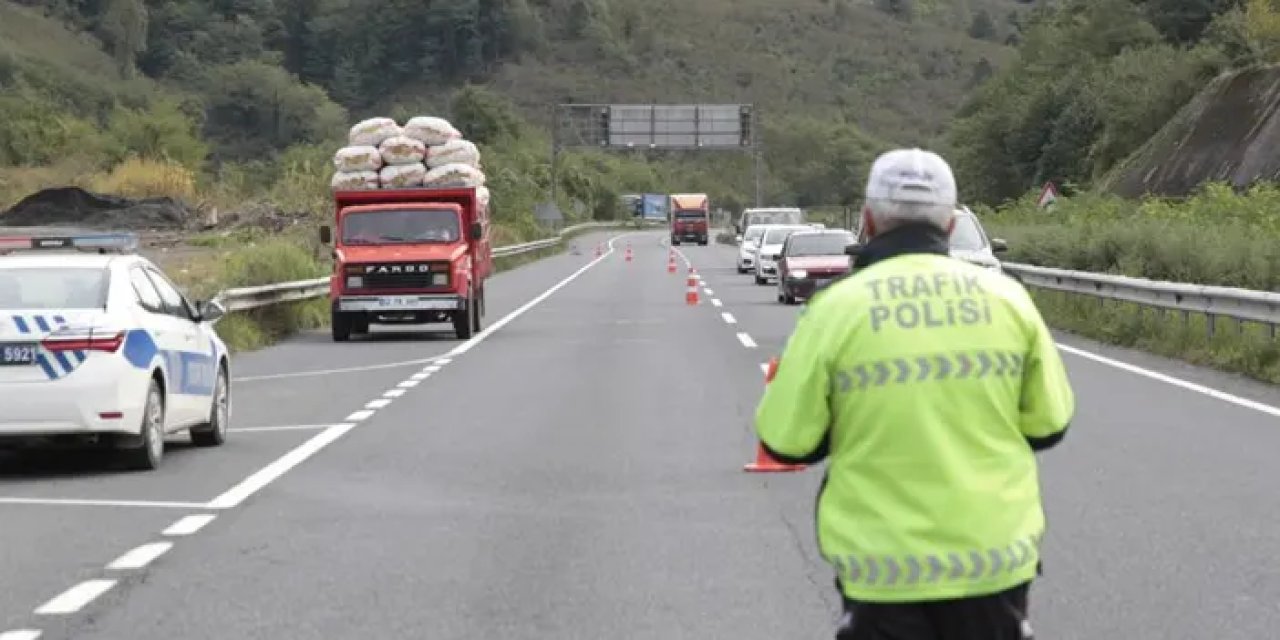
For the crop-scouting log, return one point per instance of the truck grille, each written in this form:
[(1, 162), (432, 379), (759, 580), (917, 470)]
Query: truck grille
[(399, 275)]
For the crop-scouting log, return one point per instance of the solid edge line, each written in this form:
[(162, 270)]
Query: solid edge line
[(141, 556), (1177, 382), (21, 634), (329, 372), (746, 341), (75, 502), (189, 525), (268, 474), (76, 598), (480, 337)]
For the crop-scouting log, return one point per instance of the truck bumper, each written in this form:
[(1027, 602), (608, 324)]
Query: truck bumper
[(402, 303)]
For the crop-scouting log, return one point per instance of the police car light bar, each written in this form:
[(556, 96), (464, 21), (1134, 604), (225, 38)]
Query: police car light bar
[(100, 243)]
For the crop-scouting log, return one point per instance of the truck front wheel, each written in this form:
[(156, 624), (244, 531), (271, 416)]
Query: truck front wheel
[(467, 322), (340, 323)]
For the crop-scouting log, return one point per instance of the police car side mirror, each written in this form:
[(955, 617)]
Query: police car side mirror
[(211, 311), (326, 234), (999, 246), (854, 250)]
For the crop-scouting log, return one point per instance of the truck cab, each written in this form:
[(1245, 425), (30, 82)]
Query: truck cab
[(690, 218), (408, 256)]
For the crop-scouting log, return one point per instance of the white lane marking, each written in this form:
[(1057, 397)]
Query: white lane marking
[(420, 376), (21, 634), (74, 502), (432, 369), (1177, 382), (746, 341), (268, 474), (715, 302), (282, 427), (728, 318), (709, 291), (377, 404), (359, 416), (75, 598), (480, 337), (329, 372), (189, 525), (764, 368), (141, 556), (393, 393)]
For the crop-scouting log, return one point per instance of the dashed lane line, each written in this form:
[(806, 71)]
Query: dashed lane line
[(728, 318), (188, 525), (408, 384), (21, 634), (380, 403), (746, 341), (360, 416), (141, 556), (75, 598), (393, 393), (715, 302)]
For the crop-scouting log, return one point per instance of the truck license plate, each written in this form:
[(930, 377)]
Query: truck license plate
[(17, 353)]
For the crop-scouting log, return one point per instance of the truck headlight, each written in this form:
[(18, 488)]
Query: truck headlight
[(439, 279), (355, 282), (799, 274)]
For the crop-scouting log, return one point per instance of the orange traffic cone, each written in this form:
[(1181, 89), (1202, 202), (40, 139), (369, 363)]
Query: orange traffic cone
[(671, 263), (764, 462), (691, 288)]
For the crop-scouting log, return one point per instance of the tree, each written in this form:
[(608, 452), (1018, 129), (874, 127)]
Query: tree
[(124, 28), (982, 27)]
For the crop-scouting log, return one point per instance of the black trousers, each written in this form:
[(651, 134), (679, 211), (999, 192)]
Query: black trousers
[(1000, 616)]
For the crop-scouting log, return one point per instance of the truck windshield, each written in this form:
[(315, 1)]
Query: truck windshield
[(52, 288), (690, 214), (967, 236), (403, 226), (819, 244)]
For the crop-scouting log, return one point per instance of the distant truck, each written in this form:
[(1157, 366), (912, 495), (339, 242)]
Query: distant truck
[(770, 215), (408, 256), (690, 215)]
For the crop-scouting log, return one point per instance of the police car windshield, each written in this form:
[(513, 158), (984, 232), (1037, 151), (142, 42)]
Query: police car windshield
[(400, 226), (967, 236), (778, 236), (52, 288), (819, 244)]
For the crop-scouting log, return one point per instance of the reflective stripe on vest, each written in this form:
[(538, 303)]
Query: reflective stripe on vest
[(971, 566), (959, 365)]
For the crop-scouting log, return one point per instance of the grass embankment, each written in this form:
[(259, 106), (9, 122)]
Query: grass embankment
[(1217, 237)]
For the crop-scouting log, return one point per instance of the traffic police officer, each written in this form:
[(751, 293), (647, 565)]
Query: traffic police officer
[(928, 382)]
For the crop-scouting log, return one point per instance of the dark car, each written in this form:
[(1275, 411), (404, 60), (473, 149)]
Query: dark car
[(810, 260)]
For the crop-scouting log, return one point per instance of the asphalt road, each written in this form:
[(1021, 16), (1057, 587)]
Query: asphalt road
[(575, 472)]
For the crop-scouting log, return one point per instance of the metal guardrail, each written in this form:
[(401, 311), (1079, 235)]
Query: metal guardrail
[(1241, 305), (243, 298)]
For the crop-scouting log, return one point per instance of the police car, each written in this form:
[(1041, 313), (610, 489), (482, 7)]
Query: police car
[(97, 346)]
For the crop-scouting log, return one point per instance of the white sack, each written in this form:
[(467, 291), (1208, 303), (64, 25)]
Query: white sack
[(430, 130), (351, 159), (454, 175), (453, 152), (400, 150), (482, 196), (354, 180), (402, 176), (372, 132)]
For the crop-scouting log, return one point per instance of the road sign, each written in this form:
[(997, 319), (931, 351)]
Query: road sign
[(656, 126), (1048, 196)]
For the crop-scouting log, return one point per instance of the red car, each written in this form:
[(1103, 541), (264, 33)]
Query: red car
[(810, 260)]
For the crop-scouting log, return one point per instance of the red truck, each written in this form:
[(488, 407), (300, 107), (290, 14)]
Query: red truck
[(690, 217), (408, 256)]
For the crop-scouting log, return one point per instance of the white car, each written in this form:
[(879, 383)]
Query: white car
[(771, 247), (748, 244), (969, 242), (101, 348)]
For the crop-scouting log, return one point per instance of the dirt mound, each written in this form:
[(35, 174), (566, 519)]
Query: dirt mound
[(1227, 133), (75, 206)]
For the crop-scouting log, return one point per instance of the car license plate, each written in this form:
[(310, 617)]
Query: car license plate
[(17, 353)]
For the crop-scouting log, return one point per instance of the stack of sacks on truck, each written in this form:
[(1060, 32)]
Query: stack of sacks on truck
[(426, 152)]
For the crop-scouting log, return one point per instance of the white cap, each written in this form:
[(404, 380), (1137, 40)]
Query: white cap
[(912, 176)]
